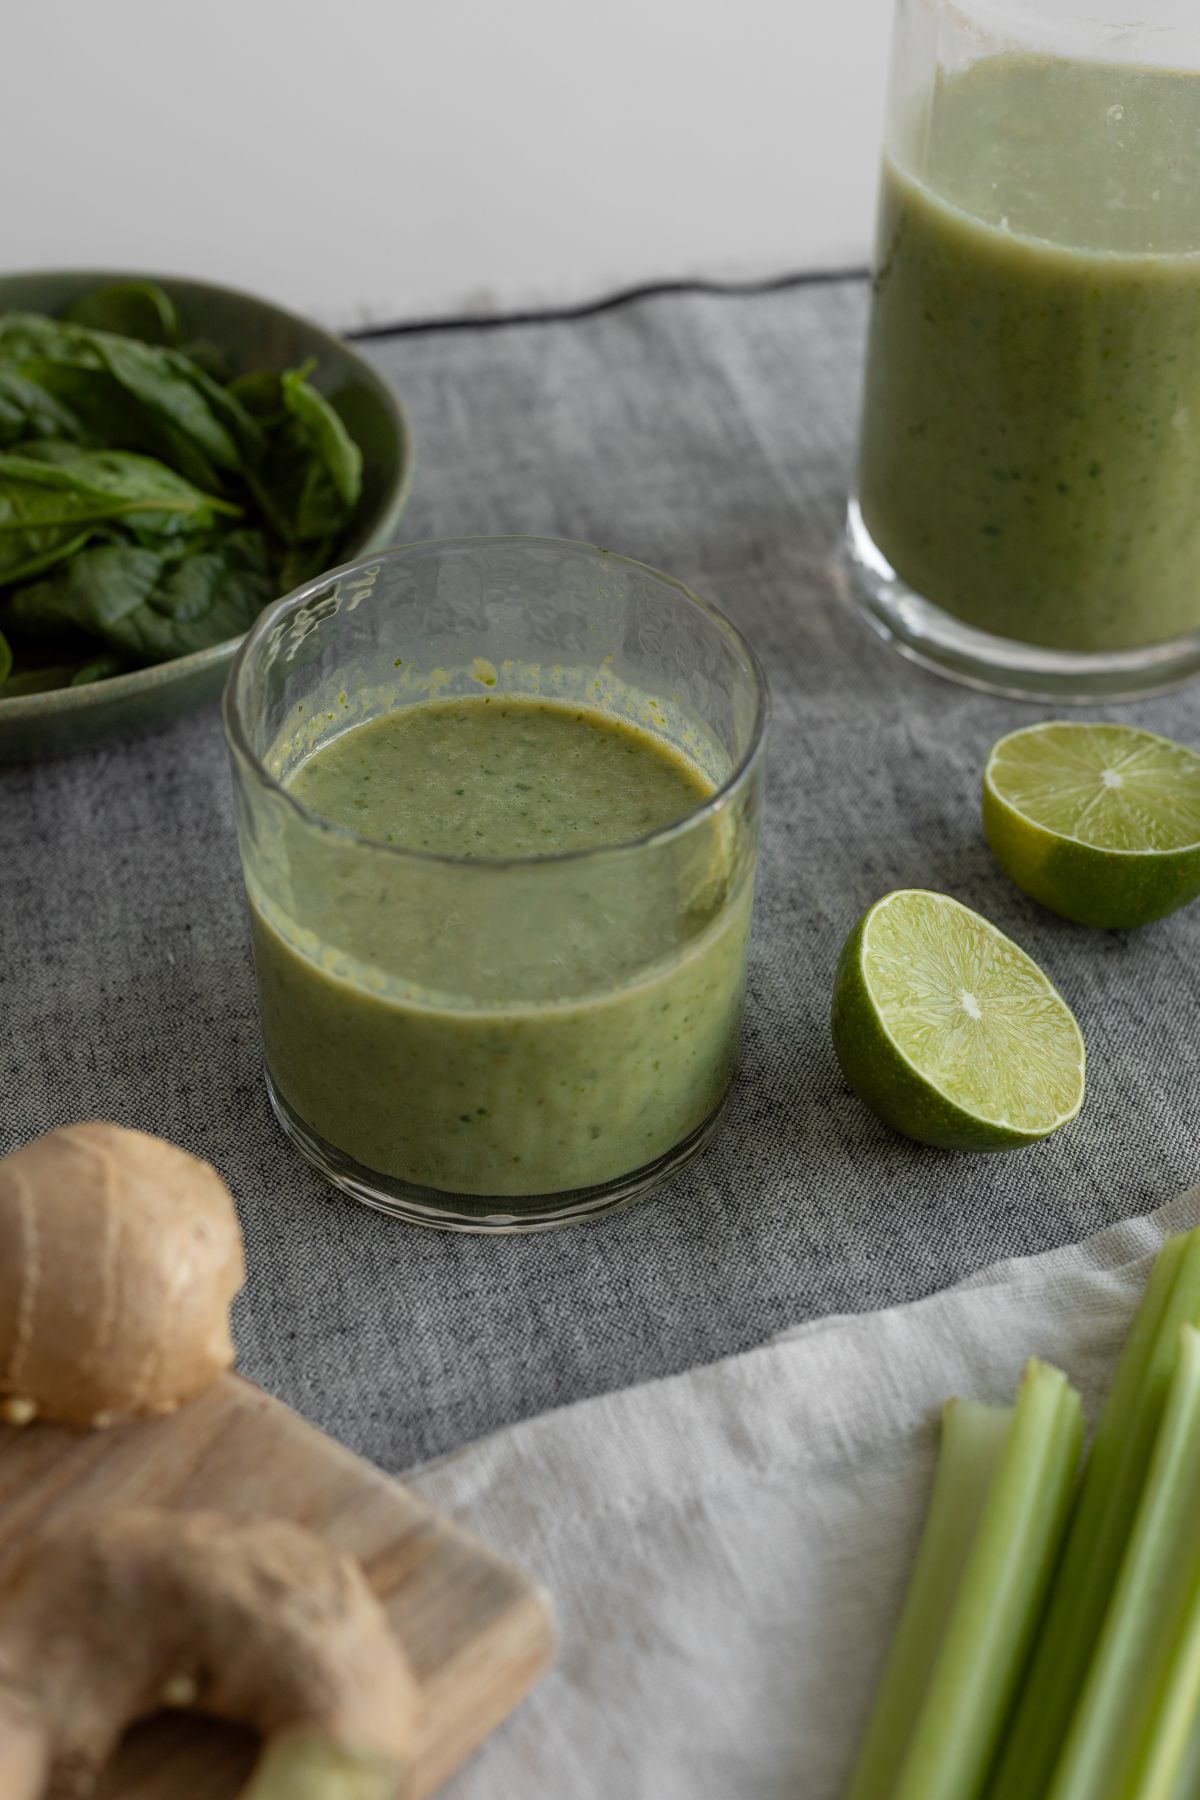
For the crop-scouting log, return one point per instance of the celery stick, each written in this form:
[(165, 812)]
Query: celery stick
[(991, 1627), (1168, 1768), (1108, 1500), (1187, 1784), (300, 1765), (1130, 1732), (973, 1439)]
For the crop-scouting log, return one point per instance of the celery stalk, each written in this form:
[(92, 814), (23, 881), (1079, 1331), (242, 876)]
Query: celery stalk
[(301, 1765), (999, 1507), (1167, 1769), (990, 1630), (1130, 1735), (973, 1439), (1187, 1785), (1108, 1500)]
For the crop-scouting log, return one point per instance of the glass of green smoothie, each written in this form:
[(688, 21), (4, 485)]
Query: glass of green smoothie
[(1027, 509), (498, 806)]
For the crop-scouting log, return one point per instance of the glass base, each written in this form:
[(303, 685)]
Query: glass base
[(927, 635), (470, 1212)]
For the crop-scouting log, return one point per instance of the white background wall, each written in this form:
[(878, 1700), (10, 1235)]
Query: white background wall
[(379, 159)]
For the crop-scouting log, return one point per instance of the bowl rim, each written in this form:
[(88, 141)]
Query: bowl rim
[(719, 801), (115, 688)]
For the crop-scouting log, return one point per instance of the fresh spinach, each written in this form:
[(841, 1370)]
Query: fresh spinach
[(150, 505), (309, 476), (151, 604), (28, 410), (109, 416), (329, 443), (41, 680), (54, 496), (136, 309), (163, 383), (210, 358), (97, 668)]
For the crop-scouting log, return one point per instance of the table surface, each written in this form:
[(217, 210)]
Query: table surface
[(713, 438)]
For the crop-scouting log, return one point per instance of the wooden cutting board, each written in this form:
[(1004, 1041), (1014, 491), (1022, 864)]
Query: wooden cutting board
[(478, 1632)]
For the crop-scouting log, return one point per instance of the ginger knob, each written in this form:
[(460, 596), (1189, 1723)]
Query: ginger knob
[(258, 1622), (120, 1256)]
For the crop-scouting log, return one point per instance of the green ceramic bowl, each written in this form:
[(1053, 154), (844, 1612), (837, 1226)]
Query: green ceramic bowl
[(253, 334)]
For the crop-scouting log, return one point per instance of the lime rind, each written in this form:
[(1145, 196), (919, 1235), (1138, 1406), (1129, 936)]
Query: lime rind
[(949, 1031), (1100, 823)]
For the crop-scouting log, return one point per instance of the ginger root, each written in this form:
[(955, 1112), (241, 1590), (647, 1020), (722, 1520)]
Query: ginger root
[(120, 1256), (258, 1623)]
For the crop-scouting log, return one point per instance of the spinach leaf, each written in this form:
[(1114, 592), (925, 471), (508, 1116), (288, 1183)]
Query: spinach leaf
[(97, 668), (147, 484), (136, 309), (28, 410), (210, 358), (110, 416), (261, 395), (333, 447), (309, 478), (171, 390), (6, 659), (54, 496), (303, 561), (153, 604), (199, 407), (60, 675), (38, 681)]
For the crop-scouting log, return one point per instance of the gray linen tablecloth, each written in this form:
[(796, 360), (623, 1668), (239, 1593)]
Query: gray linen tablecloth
[(711, 437)]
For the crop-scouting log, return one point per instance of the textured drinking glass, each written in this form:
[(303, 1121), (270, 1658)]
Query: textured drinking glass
[(1027, 512), (497, 1044)]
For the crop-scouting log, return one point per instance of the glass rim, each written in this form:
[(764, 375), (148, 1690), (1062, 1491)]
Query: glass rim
[(238, 740)]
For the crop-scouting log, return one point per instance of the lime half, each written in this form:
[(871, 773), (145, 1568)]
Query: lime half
[(1101, 823), (949, 1031)]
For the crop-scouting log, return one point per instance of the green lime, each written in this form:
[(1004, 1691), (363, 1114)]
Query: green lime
[(949, 1031), (1101, 823)]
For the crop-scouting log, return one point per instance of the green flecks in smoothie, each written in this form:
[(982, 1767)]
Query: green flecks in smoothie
[(493, 778), (1031, 430), (515, 1030)]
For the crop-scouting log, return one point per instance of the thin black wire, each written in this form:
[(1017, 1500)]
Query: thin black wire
[(589, 308)]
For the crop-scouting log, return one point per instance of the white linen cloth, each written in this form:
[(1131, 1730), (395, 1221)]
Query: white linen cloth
[(728, 1548)]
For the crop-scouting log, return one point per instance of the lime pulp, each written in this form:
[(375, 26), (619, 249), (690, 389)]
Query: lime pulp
[(949, 1031)]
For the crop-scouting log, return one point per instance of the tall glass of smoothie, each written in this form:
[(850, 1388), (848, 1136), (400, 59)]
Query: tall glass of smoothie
[(498, 805), (1027, 513)]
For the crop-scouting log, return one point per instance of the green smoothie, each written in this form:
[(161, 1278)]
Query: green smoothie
[(546, 1029), (1031, 431), (496, 779)]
